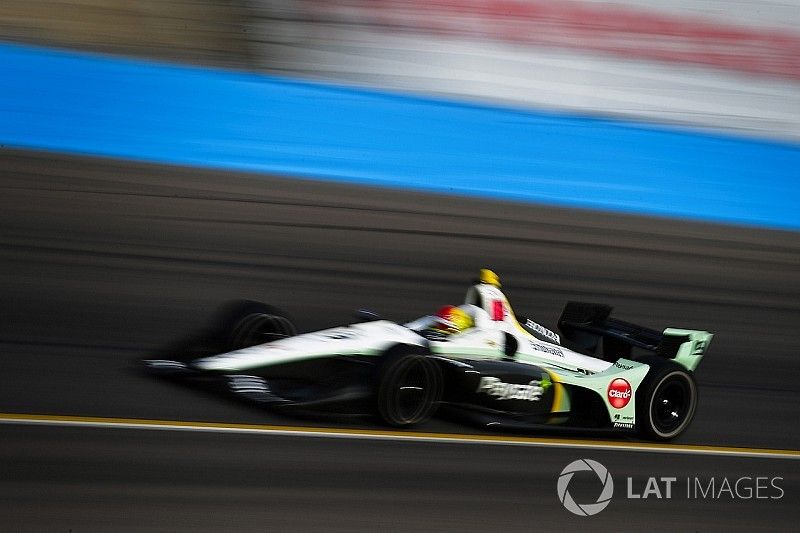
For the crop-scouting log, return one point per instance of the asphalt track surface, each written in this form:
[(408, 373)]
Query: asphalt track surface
[(104, 262)]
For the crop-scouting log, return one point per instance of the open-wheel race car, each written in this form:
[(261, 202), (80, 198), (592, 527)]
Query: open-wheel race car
[(477, 360)]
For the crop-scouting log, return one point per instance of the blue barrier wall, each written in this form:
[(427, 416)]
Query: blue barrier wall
[(70, 102)]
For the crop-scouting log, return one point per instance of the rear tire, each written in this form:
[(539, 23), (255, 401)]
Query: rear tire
[(259, 323), (666, 401), (409, 388)]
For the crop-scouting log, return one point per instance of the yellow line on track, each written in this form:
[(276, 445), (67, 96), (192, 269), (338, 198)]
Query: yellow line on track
[(380, 434)]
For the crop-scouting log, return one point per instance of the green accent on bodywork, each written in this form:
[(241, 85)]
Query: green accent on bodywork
[(691, 352), (600, 381), (545, 383)]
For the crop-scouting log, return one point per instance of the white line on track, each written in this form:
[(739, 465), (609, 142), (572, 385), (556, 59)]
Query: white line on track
[(375, 434)]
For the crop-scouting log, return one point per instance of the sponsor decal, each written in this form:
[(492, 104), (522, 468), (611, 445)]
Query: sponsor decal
[(622, 367), (501, 390), (498, 310), (699, 348), (543, 331), (546, 349), (623, 421), (619, 393)]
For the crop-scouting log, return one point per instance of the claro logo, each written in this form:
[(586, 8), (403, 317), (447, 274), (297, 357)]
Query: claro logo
[(619, 393)]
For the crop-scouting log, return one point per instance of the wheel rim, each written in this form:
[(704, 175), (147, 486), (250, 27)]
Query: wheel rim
[(259, 328), (413, 390), (672, 404)]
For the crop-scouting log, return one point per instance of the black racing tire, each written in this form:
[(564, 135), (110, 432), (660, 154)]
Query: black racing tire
[(408, 389), (666, 400), (256, 323)]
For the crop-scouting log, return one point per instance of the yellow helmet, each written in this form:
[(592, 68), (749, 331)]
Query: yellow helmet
[(451, 319), (489, 277)]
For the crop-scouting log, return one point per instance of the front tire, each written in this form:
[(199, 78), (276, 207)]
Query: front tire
[(409, 389), (259, 323), (666, 402)]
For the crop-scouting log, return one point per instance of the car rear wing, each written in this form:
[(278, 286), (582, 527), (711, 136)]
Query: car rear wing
[(586, 325)]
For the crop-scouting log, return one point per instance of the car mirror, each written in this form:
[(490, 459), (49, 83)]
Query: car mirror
[(511, 345)]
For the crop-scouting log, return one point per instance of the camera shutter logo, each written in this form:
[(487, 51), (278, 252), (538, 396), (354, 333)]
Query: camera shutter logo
[(585, 509)]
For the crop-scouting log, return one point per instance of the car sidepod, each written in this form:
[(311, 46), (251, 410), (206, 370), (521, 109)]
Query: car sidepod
[(514, 389)]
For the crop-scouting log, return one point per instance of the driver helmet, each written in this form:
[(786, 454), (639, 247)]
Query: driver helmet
[(451, 319)]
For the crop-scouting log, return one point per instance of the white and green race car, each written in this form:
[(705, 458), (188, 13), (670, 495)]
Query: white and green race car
[(503, 371)]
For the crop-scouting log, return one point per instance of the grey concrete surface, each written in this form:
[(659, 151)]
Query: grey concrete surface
[(59, 479)]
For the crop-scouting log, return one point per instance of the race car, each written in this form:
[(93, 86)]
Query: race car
[(478, 361)]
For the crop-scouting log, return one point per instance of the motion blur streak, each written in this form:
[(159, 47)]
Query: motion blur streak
[(174, 481), (103, 262), (609, 27), (375, 434), (217, 119), (696, 62), (111, 260), (699, 62), (210, 32)]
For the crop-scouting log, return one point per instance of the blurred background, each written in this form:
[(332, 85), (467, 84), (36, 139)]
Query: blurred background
[(705, 62), (158, 158)]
